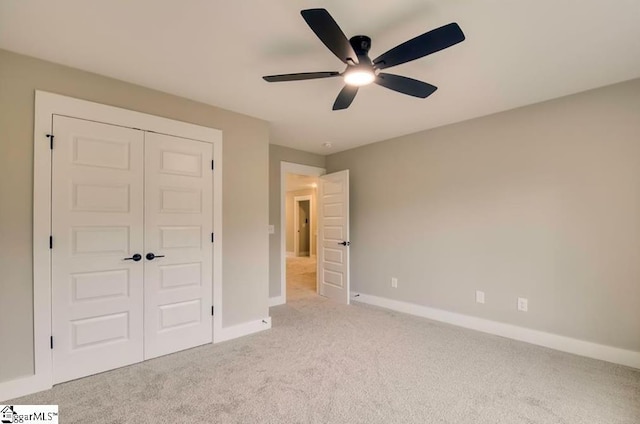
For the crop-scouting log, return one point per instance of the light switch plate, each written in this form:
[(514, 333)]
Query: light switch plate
[(272, 229), (523, 304)]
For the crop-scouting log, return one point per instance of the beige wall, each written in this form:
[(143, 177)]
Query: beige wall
[(278, 154), (289, 207), (540, 202), (245, 157)]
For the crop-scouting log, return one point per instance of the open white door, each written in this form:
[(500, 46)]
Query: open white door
[(333, 236)]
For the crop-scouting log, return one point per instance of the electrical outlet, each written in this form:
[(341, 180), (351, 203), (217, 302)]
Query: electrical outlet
[(479, 296), (394, 282), (523, 304)]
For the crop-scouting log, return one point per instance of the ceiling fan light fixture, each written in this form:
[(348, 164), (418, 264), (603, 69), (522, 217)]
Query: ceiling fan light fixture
[(359, 76), (361, 70)]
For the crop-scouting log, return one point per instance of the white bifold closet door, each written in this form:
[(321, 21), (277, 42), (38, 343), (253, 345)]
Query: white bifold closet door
[(118, 196)]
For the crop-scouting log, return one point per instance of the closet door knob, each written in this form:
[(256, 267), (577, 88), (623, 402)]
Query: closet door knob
[(135, 258), (151, 256)]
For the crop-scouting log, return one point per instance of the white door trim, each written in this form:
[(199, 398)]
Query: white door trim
[(47, 105), (288, 168), (296, 222)]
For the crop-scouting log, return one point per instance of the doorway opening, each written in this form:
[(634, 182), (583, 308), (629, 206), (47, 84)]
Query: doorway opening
[(328, 275), (302, 225), (301, 235)]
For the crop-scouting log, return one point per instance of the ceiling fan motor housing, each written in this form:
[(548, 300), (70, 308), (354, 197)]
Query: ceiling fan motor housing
[(361, 45)]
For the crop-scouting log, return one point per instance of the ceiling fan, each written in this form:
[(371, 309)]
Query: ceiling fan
[(360, 69)]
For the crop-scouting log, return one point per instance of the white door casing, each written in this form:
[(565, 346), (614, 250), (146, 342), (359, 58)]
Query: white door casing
[(97, 222), (288, 168), (333, 235), (178, 229)]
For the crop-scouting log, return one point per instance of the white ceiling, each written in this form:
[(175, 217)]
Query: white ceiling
[(215, 51)]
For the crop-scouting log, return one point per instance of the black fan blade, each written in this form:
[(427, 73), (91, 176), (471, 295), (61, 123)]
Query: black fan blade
[(300, 76), (346, 96), (427, 43), (405, 85), (329, 33)]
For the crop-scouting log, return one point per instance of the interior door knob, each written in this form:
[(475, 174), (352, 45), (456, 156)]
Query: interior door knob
[(345, 243), (151, 256), (135, 258)]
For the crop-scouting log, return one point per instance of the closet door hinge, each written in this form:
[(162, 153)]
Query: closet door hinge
[(213, 237), (50, 242), (50, 137), (213, 165), (51, 342), (212, 311)]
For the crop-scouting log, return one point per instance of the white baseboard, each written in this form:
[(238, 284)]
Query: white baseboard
[(235, 331), (22, 386), (276, 300), (562, 343)]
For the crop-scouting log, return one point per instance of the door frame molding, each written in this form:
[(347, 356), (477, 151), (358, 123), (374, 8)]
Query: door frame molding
[(47, 105), (296, 221), (288, 168)]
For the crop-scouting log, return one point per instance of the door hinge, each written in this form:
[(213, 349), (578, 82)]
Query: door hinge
[(51, 342), (212, 311), (50, 242), (212, 237), (213, 166), (50, 137)]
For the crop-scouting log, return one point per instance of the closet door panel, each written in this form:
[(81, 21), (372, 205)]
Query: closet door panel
[(178, 226), (97, 222)]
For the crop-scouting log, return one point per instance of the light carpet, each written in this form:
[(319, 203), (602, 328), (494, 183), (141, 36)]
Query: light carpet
[(327, 363)]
